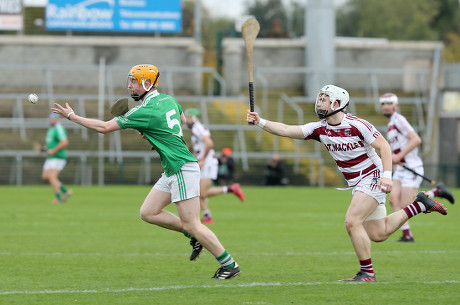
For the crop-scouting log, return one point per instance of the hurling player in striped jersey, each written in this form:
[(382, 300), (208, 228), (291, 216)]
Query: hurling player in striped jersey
[(404, 142), (352, 142), (203, 150)]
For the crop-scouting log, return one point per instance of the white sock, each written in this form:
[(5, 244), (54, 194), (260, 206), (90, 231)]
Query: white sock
[(405, 227), (422, 206), (430, 194), (207, 214), (225, 188)]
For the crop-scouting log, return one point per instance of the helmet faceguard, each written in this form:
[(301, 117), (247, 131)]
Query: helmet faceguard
[(388, 98), (141, 74), (335, 94)]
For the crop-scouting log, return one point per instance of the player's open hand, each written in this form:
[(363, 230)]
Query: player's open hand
[(253, 117), (63, 111)]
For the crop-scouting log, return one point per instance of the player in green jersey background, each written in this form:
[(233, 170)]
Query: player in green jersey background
[(56, 152), (159, 119)]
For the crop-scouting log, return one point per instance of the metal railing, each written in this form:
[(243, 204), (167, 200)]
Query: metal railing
[(426, 92), (85, 162), (299, 153), (426, 95), (451, 76)]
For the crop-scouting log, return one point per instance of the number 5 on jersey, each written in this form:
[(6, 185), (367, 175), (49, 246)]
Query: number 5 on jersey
[(173, 122)]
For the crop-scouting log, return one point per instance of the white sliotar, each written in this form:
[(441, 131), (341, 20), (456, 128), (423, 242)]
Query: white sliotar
[(33, 98)]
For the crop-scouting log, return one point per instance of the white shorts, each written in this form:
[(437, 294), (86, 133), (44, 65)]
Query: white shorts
[(368, 185), (55, 163), (182, 185), (407, 178), (210, 169)]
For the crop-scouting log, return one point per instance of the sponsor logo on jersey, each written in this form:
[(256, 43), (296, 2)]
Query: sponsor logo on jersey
[(344, 146)]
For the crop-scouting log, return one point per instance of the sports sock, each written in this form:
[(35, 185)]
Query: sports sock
[(366, 266), (405, 228), (230, 189), (225, 189), (407, 233), (207, 214), (414, 208), (432, 193), (226, 260), (436, 191), (187, 235), (63, 188), (58, 196)]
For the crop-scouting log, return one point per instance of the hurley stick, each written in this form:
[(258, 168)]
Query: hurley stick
[(432, 182), (120, 107), (250, 29)]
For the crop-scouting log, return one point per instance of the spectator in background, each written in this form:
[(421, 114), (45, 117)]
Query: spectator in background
[(226, 168), (274, 171), (203, 150), (276, 31), (56, 143)]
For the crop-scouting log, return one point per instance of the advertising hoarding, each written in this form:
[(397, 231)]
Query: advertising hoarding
[(114, 15), (11, 15)]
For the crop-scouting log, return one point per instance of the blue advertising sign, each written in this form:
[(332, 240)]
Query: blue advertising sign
[(114, 15)]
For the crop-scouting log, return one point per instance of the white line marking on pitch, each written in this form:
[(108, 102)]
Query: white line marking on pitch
[(7, 253), (179, 287)]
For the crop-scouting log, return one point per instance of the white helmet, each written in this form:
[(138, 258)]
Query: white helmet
[(389, 98), (335, 94)]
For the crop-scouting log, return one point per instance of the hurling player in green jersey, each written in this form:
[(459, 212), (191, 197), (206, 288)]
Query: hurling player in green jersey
[(56, 152), (159, 117)]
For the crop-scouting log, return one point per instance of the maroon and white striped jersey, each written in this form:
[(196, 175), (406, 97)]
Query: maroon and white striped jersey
[(198, 132), (398, 128), (349, 143)]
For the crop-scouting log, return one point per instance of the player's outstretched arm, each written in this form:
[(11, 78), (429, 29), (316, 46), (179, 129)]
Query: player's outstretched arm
[(97, 125), (276, 128)]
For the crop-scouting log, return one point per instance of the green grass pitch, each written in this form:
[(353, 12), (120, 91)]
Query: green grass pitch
[(290, 242)]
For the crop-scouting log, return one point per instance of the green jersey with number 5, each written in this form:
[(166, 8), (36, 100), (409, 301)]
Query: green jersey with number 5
[(158, 118)]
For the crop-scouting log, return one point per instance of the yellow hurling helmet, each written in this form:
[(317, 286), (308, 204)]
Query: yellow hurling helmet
[(142, 73)]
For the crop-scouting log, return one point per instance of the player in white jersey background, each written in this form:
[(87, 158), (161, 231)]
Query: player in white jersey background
[(203, 150), (352, 141), (404, 142)]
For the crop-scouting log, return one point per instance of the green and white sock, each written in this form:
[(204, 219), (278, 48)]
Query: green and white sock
[(63, 188), (226, 260), (58, 196), (187, 235)]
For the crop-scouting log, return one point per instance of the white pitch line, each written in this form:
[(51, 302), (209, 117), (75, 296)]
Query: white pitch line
[(182, 287), (317, 253)]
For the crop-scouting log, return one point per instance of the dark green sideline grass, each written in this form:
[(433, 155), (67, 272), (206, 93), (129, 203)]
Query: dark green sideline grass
[(290, 243)]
